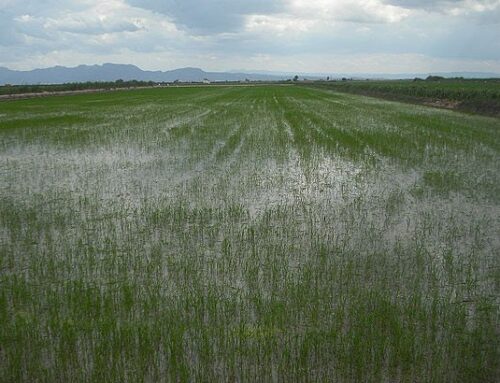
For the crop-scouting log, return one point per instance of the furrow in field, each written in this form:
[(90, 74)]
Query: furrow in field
[(188, 118), (220, 152)]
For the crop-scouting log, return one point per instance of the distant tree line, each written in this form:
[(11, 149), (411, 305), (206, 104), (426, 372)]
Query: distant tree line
[(18, 89)]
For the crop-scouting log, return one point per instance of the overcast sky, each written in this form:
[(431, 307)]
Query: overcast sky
[(328, 36)]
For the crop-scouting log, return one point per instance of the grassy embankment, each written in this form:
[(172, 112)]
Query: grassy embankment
[(474, 96)]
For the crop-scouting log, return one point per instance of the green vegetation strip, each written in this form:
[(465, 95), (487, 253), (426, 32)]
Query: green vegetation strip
[(476, 96), (247, 234)]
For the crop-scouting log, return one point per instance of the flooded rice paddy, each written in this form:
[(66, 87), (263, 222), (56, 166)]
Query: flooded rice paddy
[(246, 234)]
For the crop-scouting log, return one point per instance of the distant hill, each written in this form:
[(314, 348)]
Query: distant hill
[(113, 72)]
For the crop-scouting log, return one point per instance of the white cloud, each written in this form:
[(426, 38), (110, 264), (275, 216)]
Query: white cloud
[(359, 11), (278, 24), (301, 16), (455, 8)]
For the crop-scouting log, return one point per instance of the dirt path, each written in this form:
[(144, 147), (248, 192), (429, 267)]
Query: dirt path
[(23, 96)]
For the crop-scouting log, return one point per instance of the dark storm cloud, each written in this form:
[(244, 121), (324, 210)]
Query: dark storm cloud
[(92, 27), (424, 4), (210, 16)]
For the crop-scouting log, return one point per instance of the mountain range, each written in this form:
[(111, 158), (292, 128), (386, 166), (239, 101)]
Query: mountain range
[(113, 72)]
